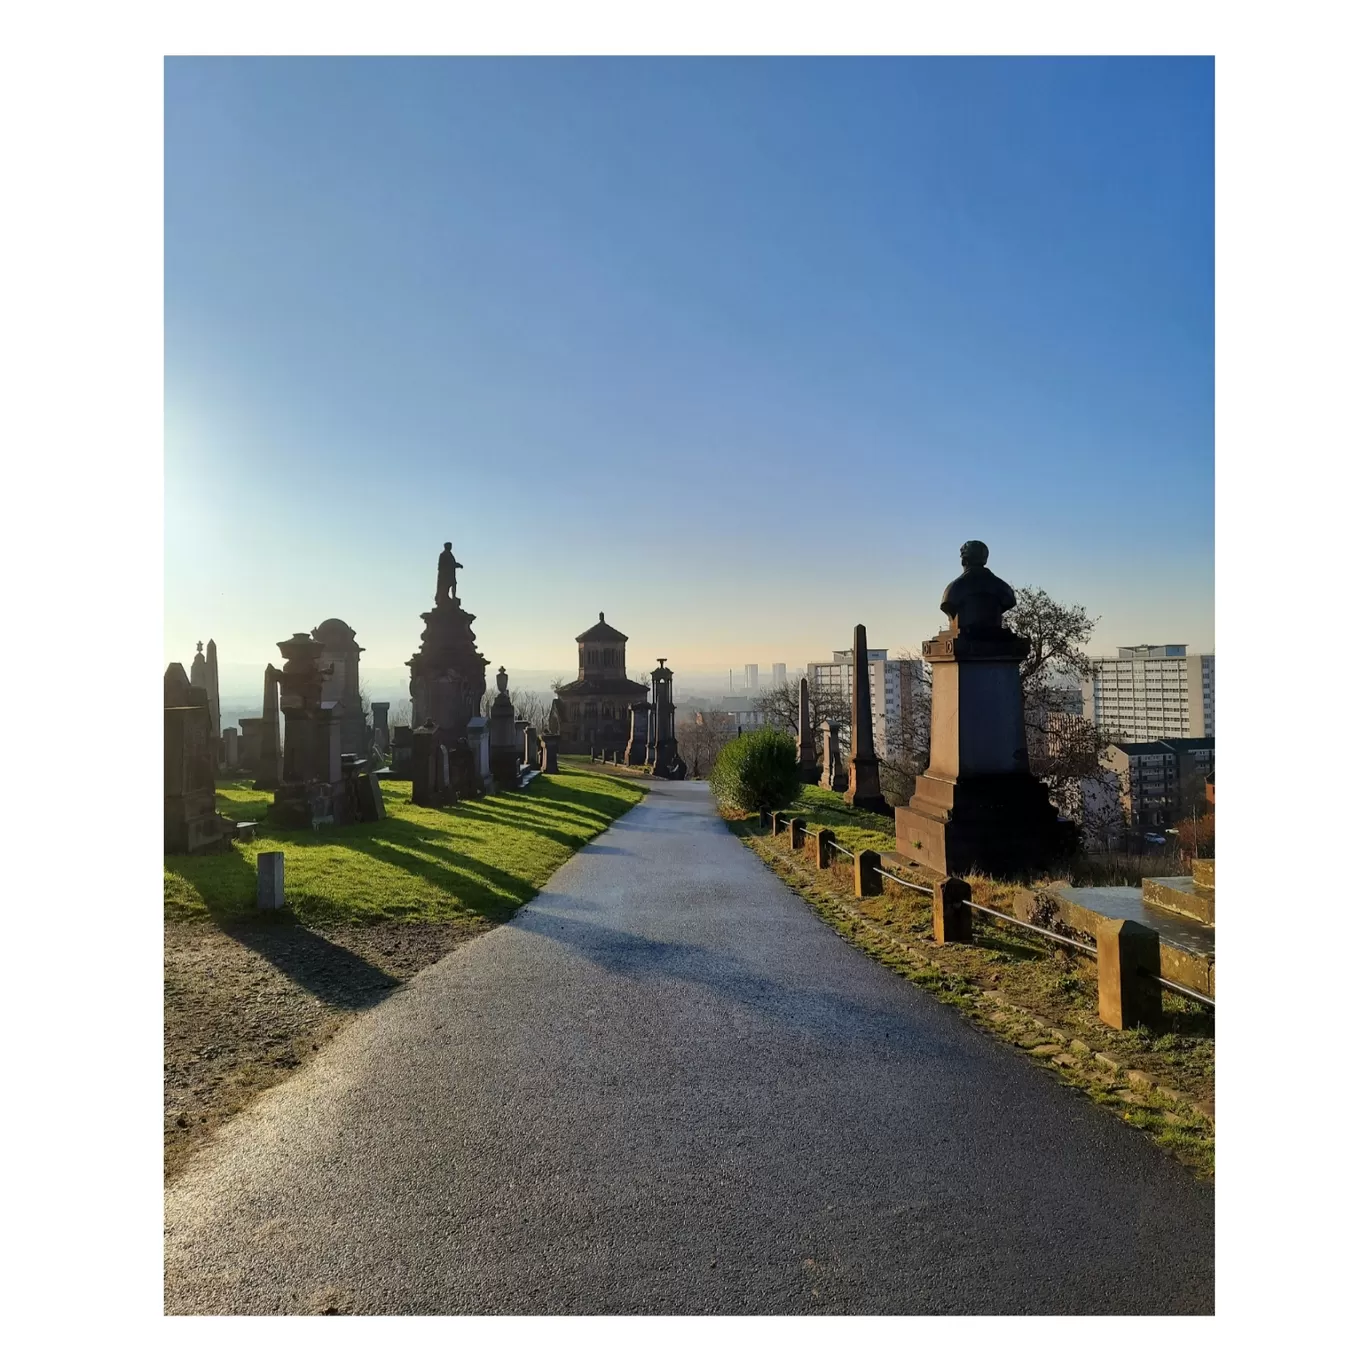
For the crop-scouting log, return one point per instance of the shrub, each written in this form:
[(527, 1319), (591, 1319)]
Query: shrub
[(757, 769)]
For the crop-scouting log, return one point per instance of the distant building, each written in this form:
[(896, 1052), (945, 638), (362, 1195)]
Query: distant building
[(752, 679), (894, 686), (1161, 782), (596, 707), (1148, 693), (744, 712), (778, 676)]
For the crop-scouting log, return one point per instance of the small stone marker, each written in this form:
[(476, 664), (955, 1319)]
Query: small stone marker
[(1128, 992), (776, 823), (797, 828), (951, 918), (825, 836), (868, 874), (271, 881)]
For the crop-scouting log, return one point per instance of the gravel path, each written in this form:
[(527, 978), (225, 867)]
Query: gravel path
[(666, 1086)]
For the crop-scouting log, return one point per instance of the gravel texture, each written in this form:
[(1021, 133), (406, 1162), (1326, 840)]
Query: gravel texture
[(667, 1087)]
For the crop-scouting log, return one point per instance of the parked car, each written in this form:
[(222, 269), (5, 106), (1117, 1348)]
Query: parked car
[(1155, 838)]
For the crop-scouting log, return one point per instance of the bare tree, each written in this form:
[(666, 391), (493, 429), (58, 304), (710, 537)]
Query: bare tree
[(701, 736), (402, 714), (780, 705), (907, 740)]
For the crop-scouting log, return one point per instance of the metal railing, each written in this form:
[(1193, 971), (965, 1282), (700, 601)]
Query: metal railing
[(1182, 990)]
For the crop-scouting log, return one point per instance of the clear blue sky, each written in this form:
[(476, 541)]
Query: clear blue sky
[(738, 352)]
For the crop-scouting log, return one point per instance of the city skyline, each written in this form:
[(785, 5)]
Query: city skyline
[(508, 303)]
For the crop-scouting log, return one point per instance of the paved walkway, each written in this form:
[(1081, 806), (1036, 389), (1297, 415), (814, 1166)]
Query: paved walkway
[(666, 1086)]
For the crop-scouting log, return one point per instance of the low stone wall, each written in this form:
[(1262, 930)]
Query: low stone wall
[(1197, 972)]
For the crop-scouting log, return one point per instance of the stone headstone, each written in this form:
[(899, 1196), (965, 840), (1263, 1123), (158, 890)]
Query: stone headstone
[(503, 748), (370, 801), (380, 728), (230, 748), (423, 766), (833, 775), (550, 750), (531, 747), (189, 822), (313, 789), (636, 737)]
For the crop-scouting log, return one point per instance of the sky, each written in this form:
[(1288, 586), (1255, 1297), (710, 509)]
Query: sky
[(737, 352)]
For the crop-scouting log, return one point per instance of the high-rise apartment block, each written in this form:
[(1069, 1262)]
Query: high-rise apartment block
[(1151, 693), (779, 675), (894, 686), (752, 678)]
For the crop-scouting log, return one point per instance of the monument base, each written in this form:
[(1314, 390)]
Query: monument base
[(311, 805), (503, 766), (1001, 824), (190, 825)]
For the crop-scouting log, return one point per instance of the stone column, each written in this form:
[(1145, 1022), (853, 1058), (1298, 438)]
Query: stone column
[(807, 754), (211, 660), (862, 789), (833, 774), (268, 767), (666, 748)]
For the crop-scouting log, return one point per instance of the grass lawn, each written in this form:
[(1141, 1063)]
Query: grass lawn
[(478, 859), (854, 829), (249, 996)]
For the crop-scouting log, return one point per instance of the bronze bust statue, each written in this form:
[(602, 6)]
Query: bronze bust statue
[(976, 601), (447, 566)]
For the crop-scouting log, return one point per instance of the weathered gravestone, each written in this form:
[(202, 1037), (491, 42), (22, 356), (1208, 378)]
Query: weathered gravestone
[(189, 823), (503, 749), (833, 775)]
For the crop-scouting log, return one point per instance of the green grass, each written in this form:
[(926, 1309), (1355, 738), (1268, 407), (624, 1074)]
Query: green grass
[(854, 829), (481, 859)]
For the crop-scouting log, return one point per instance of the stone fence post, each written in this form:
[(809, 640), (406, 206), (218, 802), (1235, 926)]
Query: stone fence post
[(763, 817), (1128, 992), (825, 836), (797, 828), (776, 823), (951, 918), (868, 874)]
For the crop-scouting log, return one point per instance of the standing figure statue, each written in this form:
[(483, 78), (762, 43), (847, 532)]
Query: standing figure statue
[(447, 566)]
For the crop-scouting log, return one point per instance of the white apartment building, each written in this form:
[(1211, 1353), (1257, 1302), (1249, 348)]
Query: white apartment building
[(752, 679), (1151, 693), (779, 675), (893, 686)]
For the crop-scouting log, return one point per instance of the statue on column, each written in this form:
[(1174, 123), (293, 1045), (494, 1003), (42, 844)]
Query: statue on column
[(447, 566), (976, 601)]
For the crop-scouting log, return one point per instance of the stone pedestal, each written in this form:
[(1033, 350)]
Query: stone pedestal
[(312, 790), (477, 739), (401, 753), (249, 742), (447, 674), (977, 805), (667, 763), (423, 767), (230, 748), (531, 748), (503, 736)]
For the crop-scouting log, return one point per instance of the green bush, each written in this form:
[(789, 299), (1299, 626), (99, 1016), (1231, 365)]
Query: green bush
[(758, 769)]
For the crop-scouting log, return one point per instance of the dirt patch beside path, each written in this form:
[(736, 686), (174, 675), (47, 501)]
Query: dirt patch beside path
[(247, 1003)]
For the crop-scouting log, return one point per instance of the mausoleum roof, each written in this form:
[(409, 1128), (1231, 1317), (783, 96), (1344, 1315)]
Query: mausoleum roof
[(613, 686), (601, 631)]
